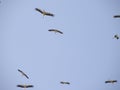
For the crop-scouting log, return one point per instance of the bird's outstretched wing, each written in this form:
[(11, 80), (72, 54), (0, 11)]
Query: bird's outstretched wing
[(107, 81), (28, 86), (116, 16), (23, 73), (39, 10), (22, 86), (55, 30), (49, 14)]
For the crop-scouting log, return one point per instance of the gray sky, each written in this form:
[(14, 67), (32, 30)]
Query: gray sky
[(85, 55)]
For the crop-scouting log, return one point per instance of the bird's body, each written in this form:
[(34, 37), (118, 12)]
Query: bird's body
[(62, 82), (116, 36), (116, 16), (44, 12), (25, 86), (111, 81), (55, 30), (23, 73)]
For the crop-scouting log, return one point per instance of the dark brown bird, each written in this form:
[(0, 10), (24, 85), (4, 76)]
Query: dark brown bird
[(116, 16), (116, 36), (44, 12), (23, 73), (111, 81), (62, 82), (55, 30), (25, 86)]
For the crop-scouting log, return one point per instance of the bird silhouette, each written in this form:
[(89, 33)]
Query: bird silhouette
[(25, 86), (23, 73), (116, 36), (116, 16), (55, 30), (44, 12), (63, 82), (111, 81)]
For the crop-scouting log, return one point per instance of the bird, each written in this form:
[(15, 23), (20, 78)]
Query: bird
[(63, 82), (111, 81), (44, 12), (25, 86), (116, 16), (55, 30), (23, 73), (116, 36)]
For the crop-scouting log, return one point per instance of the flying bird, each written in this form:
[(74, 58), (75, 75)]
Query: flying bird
[(62, 82), (55, 30), (25, 86), (23, 73), (116, 16), (44, 12), (116, 36), (111, 81)]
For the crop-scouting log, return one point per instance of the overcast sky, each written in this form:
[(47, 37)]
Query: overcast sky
[(86, 54)]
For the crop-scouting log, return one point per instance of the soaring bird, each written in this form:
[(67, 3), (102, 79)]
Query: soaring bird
[(25, 86), (23, 73), (62, 82), (110, 81), (116, 16), (55, 30), (44, 12), (116, 36)]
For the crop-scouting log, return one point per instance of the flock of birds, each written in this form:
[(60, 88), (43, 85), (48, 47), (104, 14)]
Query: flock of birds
[(50, 30), (30, 86), (58, 31), (44, 13), (116, 35), (24, 86), (62, 82), (48, 14)]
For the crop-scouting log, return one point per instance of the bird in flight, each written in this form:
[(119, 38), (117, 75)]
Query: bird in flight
[(62, 82), (44, 12), (111, 81), (116, 16), (116, 36), (55, 30), (25, 86), (23, 73)]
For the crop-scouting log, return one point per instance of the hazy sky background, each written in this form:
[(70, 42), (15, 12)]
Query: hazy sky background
[(85, 55)]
